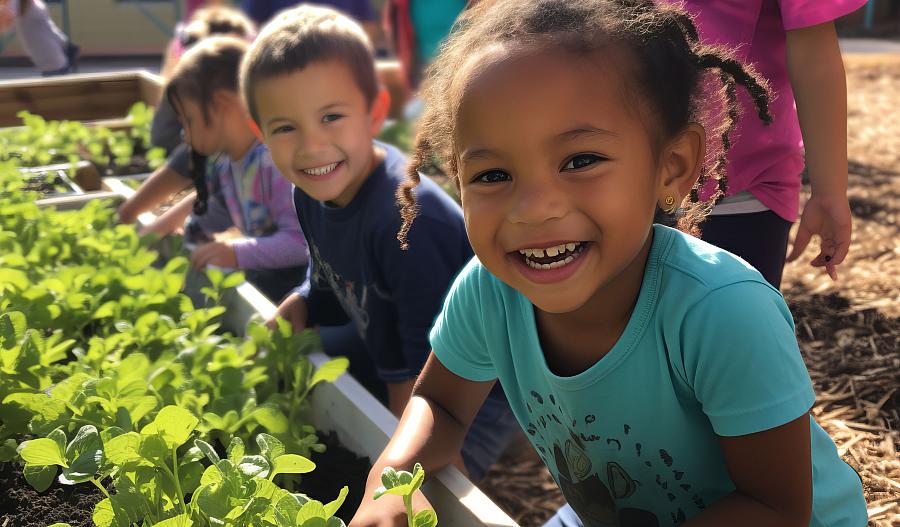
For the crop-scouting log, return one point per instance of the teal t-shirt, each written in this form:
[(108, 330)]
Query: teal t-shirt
[(709, 350)]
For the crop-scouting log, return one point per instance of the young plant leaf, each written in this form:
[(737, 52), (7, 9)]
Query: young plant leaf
[(39, 476), (43, 451), (84, 455), (233, 280), (330, 371), (236, 450), (124, 449), (291, 464), (271, 418), (332, 507), (425, 518), (182, 520), (269, 446), (208, 450), (173, 424), (254, 466), (12, 328)]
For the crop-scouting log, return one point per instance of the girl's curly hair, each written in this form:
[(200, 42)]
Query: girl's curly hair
[(670, 70)]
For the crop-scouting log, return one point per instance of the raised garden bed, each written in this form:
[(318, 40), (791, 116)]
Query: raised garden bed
[(359, 421), (103, 119), (96, 98), (67, 186), (342, 410)]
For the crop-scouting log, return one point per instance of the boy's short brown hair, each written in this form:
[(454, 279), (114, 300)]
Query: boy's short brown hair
[(305, 35)]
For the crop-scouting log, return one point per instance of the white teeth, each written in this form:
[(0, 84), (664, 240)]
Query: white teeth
[(320, 171), (551, 252)]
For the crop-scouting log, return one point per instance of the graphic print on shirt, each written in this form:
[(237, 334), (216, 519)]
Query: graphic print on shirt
[(351, 296), (571, 449)]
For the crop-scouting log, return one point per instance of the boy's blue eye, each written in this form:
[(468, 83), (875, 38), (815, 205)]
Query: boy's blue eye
[(283, 129), (581, 161), (491, 176), (331, 117)]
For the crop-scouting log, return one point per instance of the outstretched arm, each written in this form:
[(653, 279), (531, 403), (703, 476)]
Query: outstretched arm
[(820, 88), (431, 432), (157, 188)]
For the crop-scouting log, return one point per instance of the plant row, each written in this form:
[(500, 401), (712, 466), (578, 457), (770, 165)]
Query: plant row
[(39, 142), (135, 389)]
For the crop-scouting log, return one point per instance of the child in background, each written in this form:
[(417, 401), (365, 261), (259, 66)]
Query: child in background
[(657, 376), (240, 187), (792, 44), (310, 83), (47, 46), (175, 175)]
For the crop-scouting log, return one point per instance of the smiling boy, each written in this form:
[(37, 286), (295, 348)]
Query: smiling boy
[(310, 84)]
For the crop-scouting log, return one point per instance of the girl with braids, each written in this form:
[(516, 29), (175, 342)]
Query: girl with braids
[(165, 131), (792, 43), (239, 186), (657, 376)]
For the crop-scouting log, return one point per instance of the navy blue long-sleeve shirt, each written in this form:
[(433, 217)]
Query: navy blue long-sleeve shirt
[(392, 296)]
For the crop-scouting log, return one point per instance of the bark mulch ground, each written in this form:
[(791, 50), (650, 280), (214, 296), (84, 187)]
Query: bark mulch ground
[(849, 331)]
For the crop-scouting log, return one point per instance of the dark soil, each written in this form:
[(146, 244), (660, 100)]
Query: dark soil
[(334, 469), (22, 506), (44, 187)]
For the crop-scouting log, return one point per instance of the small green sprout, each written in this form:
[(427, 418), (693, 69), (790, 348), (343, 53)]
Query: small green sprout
[(404, 484)]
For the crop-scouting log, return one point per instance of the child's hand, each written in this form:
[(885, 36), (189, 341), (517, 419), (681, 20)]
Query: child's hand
[(388, 511), (829, 218), (293, 309), (214, 253)]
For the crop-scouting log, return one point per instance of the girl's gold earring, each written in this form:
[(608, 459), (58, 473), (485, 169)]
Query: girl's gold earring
[(670, 205)]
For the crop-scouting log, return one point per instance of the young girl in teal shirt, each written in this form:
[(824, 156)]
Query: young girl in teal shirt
[(658, 377)]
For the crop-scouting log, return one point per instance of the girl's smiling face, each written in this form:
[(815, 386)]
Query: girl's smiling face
[(558, 176)]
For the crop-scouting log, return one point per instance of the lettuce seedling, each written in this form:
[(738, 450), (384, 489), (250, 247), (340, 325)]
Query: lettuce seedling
[(405, 484), (239, 490), (81, 459)]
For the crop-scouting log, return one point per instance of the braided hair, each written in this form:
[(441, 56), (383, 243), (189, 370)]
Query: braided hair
[(670, 71), (210, 66)]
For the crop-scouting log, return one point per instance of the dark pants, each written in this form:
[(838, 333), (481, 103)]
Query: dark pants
[(760, 238)]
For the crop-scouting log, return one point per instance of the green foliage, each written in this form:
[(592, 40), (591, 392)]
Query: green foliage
[(39, 142), (400, 134), (405, 484), (134, 389)]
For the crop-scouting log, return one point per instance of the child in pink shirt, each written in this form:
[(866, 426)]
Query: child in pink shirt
[(793, 44)]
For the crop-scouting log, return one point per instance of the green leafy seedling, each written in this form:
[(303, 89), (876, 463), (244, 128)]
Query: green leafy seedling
[(405, 484), (80, 460)]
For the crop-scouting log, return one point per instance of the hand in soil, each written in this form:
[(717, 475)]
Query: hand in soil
[(829, 218)]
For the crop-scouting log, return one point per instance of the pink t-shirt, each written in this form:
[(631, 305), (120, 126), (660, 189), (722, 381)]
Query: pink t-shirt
[(765, 160)]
